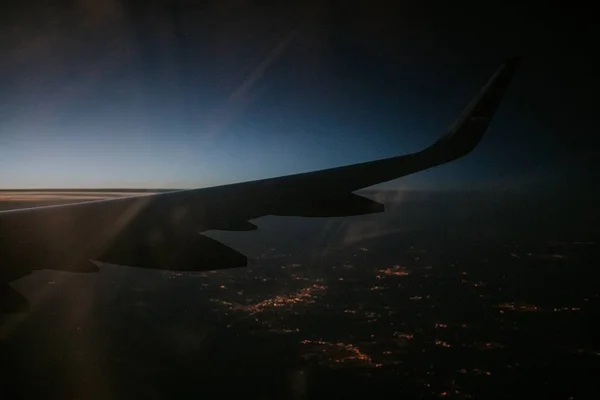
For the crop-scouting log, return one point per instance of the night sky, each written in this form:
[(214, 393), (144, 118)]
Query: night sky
[(109, 93)]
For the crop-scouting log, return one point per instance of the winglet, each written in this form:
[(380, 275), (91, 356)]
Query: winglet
[(467, 131)]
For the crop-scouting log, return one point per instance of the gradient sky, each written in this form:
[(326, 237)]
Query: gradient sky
[(158, 94)]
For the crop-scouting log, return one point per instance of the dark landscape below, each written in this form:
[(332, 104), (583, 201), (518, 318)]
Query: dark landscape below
[(445, 295)]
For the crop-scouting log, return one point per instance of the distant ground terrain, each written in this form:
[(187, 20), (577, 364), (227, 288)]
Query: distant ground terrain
[(445, 295)]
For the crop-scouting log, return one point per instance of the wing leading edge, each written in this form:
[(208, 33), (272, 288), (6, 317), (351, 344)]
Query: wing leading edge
[(165, 226), (461, 139)]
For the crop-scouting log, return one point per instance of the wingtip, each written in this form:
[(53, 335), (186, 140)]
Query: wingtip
[(469, 128)]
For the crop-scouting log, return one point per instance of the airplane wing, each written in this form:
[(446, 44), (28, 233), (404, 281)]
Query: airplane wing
[(161, 231)]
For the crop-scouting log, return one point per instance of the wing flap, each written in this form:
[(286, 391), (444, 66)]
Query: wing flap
[(236, 226), (330, 206), (191, 253)]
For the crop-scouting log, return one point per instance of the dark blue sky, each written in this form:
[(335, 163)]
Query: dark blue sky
[(185, 94)]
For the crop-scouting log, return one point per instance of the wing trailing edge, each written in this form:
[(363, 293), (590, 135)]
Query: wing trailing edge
[(341, 205)]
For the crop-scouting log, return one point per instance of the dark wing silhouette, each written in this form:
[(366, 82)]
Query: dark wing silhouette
[(161, 231)]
